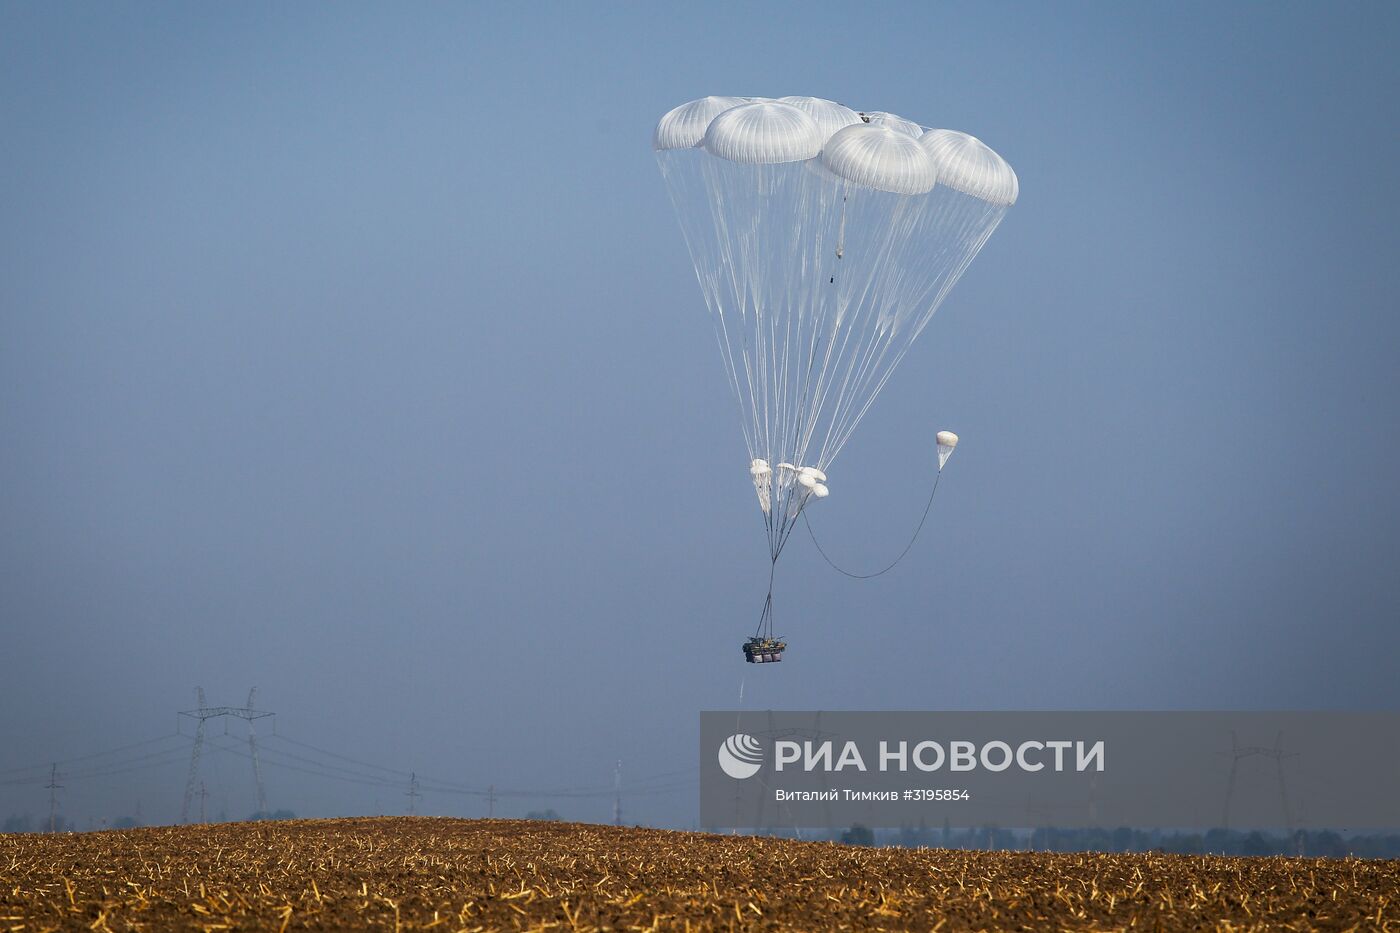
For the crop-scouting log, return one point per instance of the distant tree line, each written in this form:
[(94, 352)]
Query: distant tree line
[(1316, 843), (1311, 843), (272, 815), (24, 823)]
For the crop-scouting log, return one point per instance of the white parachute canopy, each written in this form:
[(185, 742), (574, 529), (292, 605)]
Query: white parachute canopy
[(947, 441), (823, 245), (894, 122)]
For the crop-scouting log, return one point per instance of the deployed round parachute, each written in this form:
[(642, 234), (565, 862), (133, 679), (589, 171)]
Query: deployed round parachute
[(824, 239)]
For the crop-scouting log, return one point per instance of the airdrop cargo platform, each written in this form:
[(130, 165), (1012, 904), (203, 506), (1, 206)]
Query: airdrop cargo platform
[(764, 650)]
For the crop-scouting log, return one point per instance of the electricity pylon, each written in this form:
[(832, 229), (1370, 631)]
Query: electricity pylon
[(203, 714), (1238, 751), (253, 751), (617, 794), (54, 787)]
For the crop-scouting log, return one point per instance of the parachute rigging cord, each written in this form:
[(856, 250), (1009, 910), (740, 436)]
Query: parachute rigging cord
[(928, 506), (765, 618)]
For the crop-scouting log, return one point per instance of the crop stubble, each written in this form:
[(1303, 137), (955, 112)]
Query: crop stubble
[(405, 873)]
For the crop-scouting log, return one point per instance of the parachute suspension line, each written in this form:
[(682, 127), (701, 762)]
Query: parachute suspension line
[(972, 224), (883, 318), (841, 234), (928, 506), (973, 238), (722, 336), (878, 332), (728, 279), (704, 245), (870, 322), (779, 533), (765, 618), (797, 299)]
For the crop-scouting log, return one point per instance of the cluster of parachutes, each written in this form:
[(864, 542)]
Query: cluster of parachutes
[(824, 239), (799, 482)]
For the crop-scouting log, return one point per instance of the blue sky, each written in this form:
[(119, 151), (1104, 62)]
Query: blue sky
[(353, 352)]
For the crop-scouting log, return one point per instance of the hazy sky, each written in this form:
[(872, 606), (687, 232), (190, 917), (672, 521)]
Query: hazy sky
[(354, 352)]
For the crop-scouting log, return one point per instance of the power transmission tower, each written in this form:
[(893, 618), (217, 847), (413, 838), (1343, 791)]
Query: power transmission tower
[(491, 801), (412, 793), (772, 733), (1238, 751), (54, 787), (253, 750), (202, 714), (203, 796), (617, 794), (194, 755)]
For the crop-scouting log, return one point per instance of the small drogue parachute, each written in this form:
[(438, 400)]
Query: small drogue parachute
[(823, 239), (946, 441)]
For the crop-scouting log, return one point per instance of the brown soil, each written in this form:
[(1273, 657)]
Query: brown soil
[(422, 873)]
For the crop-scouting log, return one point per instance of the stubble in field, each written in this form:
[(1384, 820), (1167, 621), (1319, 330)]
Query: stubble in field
[(442, 874)]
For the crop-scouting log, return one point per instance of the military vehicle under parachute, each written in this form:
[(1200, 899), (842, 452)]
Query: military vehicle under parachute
[(823, 240), (759, 650)]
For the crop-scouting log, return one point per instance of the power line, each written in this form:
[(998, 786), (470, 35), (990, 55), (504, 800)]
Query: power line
[(276, 753), (354, 761), (491, 793), (314, 773), (600, 789), (154, 759), (101, 754), (319, 763), (134, 764)]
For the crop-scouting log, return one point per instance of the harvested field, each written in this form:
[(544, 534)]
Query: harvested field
[(430, 873)]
